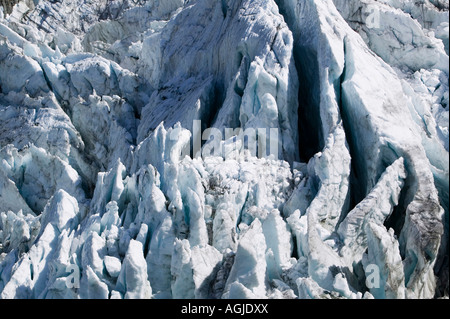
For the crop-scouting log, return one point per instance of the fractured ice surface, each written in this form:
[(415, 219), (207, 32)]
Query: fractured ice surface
[(109, 190)]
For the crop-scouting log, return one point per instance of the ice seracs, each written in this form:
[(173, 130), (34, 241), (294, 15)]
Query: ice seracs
[(136, 159)]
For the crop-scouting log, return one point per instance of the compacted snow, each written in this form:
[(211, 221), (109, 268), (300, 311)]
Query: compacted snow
[(224, 149)]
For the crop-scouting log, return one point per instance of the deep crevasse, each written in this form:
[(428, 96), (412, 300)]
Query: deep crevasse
[(101, 100)]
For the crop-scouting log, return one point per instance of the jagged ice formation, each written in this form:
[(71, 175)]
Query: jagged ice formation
[(126, 160)]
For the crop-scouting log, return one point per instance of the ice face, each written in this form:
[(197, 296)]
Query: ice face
[(136, 160)]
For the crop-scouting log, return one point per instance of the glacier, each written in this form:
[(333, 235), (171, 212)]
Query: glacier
[(197, 149)]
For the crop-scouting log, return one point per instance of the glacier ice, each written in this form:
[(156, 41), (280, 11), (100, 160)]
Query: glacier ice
[(134, 139)]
